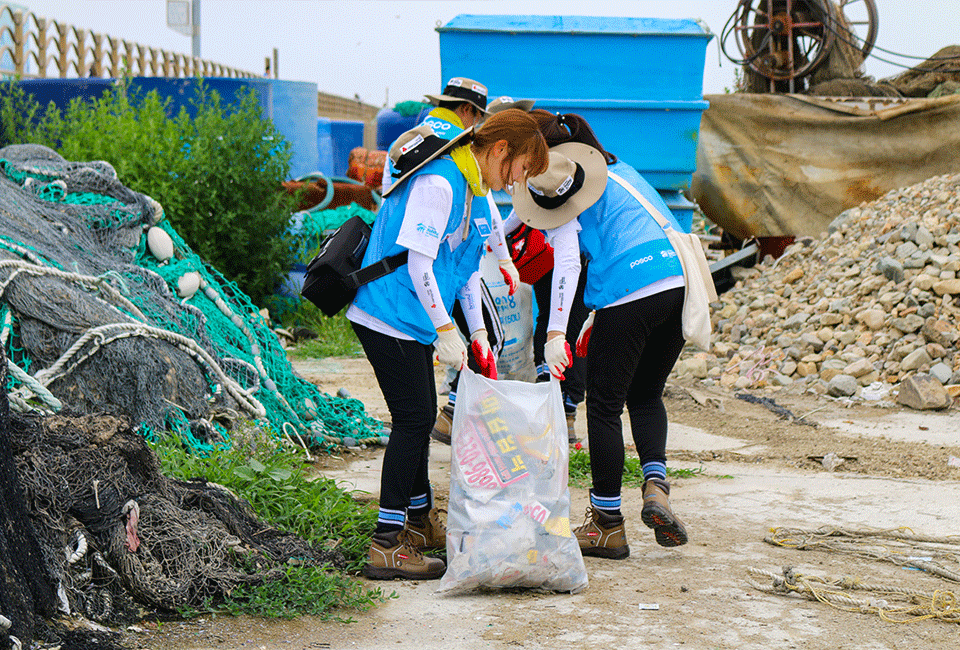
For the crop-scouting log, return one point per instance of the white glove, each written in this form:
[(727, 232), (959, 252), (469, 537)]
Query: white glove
[(450, 348), (510, 275), (583, 341), (556, 353)]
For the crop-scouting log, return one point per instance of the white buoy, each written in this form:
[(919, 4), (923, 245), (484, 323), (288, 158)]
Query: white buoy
[(159, 243), (188, 284)]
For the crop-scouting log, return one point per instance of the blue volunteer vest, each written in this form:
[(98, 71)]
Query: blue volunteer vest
[(392, 298), (625, 247)]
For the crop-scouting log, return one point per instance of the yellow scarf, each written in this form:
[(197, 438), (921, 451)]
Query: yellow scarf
[(462, 156)]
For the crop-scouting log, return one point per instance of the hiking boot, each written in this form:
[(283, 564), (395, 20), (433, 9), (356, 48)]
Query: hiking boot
[(602, 535), (656, 514), (427, 532), (393, 555), (443, 425), (571, 430)]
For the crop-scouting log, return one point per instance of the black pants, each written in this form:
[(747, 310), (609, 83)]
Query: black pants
[(574, 377), (632, 350), (404, 371)]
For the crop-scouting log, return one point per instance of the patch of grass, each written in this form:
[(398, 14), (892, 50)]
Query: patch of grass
[(335, 336), (274, 482), (632, 471)]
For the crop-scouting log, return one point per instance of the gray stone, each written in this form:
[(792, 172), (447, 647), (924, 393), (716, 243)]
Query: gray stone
[(891, 268), (843, 386), (905, 250), (796, 321), (923, 392), (941, 372), (907, 324)]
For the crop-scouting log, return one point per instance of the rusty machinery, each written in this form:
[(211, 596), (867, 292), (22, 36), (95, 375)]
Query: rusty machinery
[(784, 41)]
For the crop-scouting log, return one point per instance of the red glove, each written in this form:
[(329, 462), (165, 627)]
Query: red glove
[(483, 354), (583, 341), (510, 275)]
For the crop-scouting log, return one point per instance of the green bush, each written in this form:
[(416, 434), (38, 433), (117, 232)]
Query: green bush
[(217, 174)]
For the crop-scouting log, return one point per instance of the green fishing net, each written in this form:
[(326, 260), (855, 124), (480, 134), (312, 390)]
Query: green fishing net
[(93, 321)]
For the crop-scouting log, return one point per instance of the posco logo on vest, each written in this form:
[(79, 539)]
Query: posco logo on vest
[(642, 260), (439, 127), (669, 253)]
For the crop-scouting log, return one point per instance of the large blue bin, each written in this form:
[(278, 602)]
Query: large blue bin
[(637, 81), (346, 135)]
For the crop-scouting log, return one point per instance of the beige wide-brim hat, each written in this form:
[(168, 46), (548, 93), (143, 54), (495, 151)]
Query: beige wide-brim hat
[(461, 89), (504, 102), (575, 179), (418, 146)]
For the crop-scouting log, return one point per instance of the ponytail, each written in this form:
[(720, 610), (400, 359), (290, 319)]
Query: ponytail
[(558, 128)]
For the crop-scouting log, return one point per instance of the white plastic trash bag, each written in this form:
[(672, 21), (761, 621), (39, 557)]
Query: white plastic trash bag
[(508, 520)]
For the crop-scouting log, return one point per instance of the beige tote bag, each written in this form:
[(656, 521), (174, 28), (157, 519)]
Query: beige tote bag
[(700, 289)]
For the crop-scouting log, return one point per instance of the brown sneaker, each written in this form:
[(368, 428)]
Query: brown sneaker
[(571, 429), (427, 532), (443, 425), (602, 535), (656, 514), (392, 555)]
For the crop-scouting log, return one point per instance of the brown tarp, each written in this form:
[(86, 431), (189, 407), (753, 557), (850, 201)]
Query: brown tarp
[(786, 165)]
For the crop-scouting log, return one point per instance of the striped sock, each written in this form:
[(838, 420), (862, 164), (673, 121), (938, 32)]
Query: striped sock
[(419, 505), (609, 505), (389, 521), (654, 469), (452, 398)]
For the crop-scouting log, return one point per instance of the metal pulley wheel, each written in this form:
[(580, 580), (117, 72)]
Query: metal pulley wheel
[(789, 39)]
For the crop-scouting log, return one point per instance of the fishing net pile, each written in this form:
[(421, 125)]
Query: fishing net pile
[(104, 308), (90, 526)]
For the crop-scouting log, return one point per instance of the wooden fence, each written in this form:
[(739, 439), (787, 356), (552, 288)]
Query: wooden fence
[(35, 47)]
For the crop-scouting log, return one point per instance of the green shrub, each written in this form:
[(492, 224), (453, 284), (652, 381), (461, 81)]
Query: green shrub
[(217, 174)]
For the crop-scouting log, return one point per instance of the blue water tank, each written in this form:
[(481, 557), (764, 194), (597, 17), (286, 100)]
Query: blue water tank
[(637, 81), (324, 146), (346, 135), (390, 124)]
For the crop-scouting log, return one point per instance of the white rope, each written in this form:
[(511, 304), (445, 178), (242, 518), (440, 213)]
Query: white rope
[(105, 334), (35, 386), (91, 281)]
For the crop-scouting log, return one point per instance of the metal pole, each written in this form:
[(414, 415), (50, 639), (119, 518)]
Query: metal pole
[(196, 28)]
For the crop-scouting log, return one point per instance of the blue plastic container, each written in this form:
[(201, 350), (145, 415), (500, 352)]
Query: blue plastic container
[(390, 125), (586, 57), (324, 146), (637, 81), (345, 135)]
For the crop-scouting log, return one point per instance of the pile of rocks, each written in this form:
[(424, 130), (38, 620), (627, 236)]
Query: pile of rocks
[(873, 302)]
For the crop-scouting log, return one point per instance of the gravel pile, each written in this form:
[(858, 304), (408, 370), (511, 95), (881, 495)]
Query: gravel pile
[(873, 302)]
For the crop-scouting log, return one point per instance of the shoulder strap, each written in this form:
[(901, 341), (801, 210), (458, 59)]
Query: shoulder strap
[(375, 271), (643, 200)]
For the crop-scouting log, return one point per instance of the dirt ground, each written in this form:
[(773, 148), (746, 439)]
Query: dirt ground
[(759, 471)]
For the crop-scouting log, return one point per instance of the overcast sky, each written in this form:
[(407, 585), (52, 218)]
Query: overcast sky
[(388, 51)]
